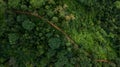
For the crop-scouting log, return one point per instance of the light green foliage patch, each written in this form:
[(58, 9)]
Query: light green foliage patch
[(117, 4), (37, 3)]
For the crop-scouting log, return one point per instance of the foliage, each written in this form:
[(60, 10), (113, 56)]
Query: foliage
[(28, 25), (13, 3), (36, 3), (117, 4), (54, 43), (12, 38), (27, 41)]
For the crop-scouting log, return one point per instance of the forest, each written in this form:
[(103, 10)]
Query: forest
[(59, 33)]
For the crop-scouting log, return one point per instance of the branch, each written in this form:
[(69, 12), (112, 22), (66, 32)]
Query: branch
[(52, 24), (105, 61)]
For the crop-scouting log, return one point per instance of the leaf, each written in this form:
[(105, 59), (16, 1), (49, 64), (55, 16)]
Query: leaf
[(61, 62), (55, 19), (28, 25), (50, 13), (24, 7), (54, 43), (50, 53), (13, 38), (37, 3), (117, 4), (13, 3)]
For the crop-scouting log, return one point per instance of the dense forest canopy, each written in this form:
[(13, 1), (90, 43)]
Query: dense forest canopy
[(59, 33)]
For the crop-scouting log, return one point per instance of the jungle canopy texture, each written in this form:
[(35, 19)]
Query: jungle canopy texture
[(59, 33)]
